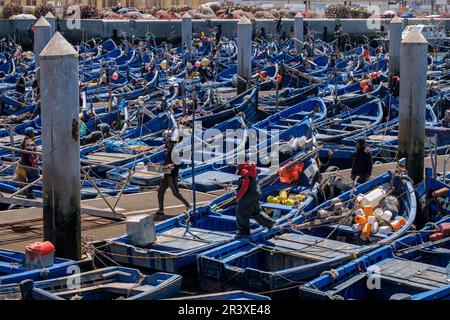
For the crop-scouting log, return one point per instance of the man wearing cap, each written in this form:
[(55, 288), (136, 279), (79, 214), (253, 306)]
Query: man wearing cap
[(362, 162), (170, 178), (28, 161)]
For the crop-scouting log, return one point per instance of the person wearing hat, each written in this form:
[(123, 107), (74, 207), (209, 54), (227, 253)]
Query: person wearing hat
[(362, 162), (170, 178), (27, 170)]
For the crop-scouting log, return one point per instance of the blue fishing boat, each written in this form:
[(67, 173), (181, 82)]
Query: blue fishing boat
[(181, 238), (248, 107), (278, 262), (146, 177), (286, 127), (112, 283), (412, 268), (350, 122), (14, 270)]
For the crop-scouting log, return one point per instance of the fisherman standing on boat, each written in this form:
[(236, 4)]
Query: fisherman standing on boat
[(21, 88), (395, 86), (446, 120), (248, 195), (170, 178), (362, 162), (218, 35), (27, 170)]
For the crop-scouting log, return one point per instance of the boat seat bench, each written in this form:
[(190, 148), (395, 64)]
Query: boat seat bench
[(413, 273)]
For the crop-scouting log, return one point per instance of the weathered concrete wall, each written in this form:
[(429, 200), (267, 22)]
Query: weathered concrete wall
[(164, 29)]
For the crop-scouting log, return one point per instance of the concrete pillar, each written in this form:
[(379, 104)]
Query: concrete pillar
[(52, 20), (413, 87), (298, 31), (395, 39), (61, 146), (244, 62), (186, 32), (42, 35)]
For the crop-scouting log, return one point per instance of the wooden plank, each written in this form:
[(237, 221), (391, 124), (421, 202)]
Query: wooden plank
[(177, 238), (108, 158), (380, 137), (6, 140), (415, 273), (84, 209), (314, 247)]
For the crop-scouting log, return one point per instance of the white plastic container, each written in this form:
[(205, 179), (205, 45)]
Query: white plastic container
[(371, 220), (338, 206), (359, 198), (356, 228), (335, 200), (374, 228), (378, 213), (141, 230), (322, 213), (373, 198), (387, 215), (384, 229), (301, 142)]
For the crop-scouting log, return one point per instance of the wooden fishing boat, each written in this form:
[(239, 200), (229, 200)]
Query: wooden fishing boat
[(283, 260), (287, 98), (350, 122), (221, 172), (143, 175), (132, 144), (181, 238), (248, 107), (13, 269), (412, 268), (381, 140), (314, 108), (112, 283)]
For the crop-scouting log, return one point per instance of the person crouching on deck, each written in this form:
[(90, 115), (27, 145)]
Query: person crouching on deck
[(248, 195), (170, 179)]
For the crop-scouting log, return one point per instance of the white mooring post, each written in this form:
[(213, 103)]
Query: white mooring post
[(395, 40), (413, 87), (186, 32), (61, 146), (298, 31), (244, 63), (42, 35), (52, 20)]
